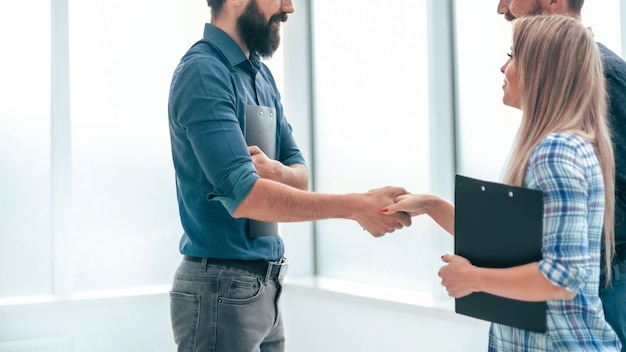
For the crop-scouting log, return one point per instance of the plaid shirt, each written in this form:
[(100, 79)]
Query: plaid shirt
[(565, 168)]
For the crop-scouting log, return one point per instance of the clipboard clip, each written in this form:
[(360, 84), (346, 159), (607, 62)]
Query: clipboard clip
[(483, 188)]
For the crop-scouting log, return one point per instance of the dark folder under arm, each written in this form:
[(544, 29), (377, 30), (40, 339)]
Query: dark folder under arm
[(499, 226), (261, 131)]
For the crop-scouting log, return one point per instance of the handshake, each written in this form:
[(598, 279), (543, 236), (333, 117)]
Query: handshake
[(384, 210), (379, 211)]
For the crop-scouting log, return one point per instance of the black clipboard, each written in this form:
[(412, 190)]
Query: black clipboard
[(261, 131), (499, 226)]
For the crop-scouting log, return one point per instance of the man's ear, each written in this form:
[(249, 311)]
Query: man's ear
[(555, 6), (239, 3), (234, 8)]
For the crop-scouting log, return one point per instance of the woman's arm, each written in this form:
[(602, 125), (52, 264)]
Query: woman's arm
[(524, 282), (441, 211)]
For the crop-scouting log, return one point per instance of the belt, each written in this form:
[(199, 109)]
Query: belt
[(273, 270)]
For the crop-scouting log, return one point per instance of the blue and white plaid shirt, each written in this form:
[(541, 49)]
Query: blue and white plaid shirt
[(565, 168)]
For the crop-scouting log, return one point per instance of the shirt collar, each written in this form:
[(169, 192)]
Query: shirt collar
[(224, 43)]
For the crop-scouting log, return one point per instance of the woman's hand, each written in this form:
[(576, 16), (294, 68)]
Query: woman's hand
[(457, 276), (412, 204), (417, 204)]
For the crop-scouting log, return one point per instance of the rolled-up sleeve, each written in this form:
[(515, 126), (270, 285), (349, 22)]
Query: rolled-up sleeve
[(206, 111), (558, 166)]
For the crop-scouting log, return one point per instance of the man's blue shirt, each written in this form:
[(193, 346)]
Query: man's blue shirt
[(210, 89), (615, 74)]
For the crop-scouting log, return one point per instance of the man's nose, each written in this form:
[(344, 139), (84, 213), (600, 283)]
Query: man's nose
[(287, 6), (503, 6)]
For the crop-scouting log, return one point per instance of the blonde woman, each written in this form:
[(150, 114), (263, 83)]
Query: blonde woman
[(563, 148)]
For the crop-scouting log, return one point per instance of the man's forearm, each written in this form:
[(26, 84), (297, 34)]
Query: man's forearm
[(296, 175), (273, 201)]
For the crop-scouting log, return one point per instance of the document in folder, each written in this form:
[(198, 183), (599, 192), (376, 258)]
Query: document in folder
[(261, 131), (499, 226)]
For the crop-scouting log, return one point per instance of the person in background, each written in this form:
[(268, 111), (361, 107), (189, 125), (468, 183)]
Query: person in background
[(563, 148), (226, 290), (612, 293)]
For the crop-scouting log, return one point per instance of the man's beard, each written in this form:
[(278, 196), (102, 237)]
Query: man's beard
[(260, 37), (537, 10)]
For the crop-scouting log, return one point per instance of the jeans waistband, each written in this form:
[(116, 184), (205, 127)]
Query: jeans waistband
[(271, 270)]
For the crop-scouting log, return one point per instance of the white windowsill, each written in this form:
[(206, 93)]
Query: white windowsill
[(123, 293), (406, 299), (368, 293)]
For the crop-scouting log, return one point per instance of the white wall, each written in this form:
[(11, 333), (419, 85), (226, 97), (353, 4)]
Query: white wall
[(315, 320), (127, 324), (334, 322)]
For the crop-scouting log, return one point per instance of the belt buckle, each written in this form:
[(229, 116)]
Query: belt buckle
[(281, 266)]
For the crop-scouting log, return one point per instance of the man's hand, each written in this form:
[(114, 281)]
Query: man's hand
[(372, 219), (265, 167), (294, 175)]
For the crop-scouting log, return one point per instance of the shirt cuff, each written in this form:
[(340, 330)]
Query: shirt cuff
[(571, 277)]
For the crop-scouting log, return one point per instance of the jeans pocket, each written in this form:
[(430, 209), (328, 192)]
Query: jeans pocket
[(240, 290), (185, 316)]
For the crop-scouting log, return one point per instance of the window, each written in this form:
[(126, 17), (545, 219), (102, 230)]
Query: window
[(125, 227), (115, 199), (25, 228), (485, 126), (113, 190), (374, 125), (372, 129)]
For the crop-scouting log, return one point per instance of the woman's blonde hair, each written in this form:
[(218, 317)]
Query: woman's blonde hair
[(562, 88)]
